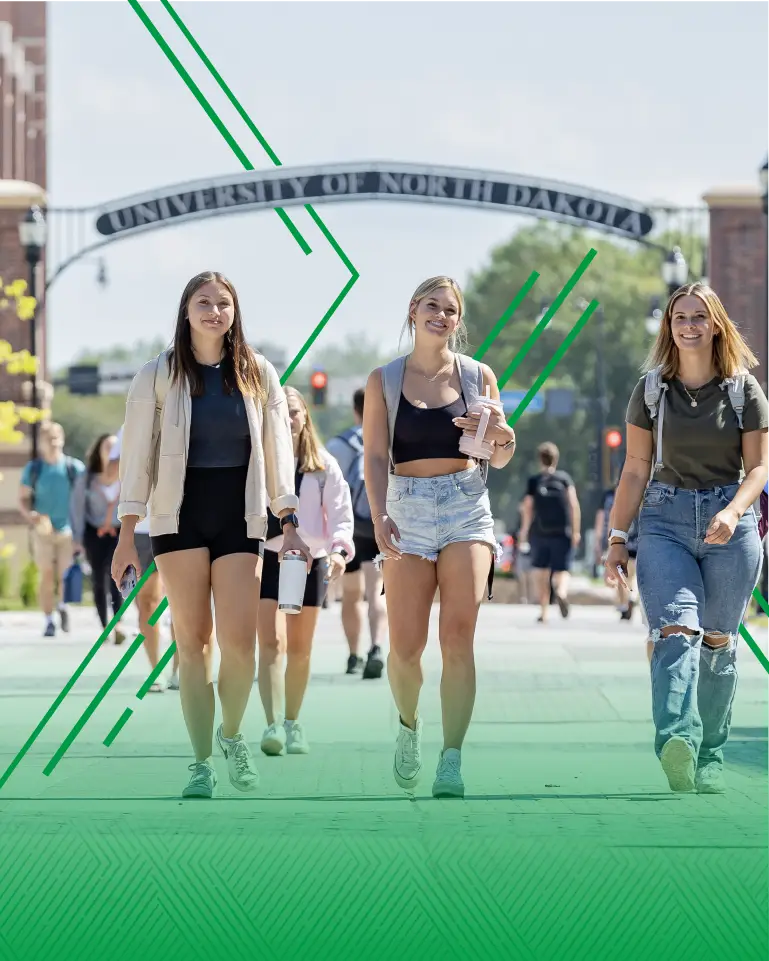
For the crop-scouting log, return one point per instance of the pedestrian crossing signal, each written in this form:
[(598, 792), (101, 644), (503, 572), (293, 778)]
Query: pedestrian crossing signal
[(318, 385)]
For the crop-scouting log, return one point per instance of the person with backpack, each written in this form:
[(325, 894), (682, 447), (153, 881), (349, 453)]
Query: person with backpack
[(207, 444), (93, 510), (326, 526), (432, 516), (362, 577), (44, 502), (551, 529), (696, 462)]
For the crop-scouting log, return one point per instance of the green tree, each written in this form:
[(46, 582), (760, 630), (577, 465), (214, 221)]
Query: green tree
[(623, 278), (357, 356), (86, 418)]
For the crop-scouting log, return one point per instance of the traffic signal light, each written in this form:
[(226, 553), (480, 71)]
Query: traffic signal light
[(611, 461), (318, 385)]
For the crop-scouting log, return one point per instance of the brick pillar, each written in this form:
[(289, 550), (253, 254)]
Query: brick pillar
[(738, 264), (30, 32), (15, 198)]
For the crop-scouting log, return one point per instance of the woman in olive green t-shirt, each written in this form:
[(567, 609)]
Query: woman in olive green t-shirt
[(699, 553)]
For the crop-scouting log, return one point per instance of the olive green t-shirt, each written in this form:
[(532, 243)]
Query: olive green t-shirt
[(702, 445)]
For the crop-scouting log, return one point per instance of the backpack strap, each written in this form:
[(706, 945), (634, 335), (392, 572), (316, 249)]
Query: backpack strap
[(735, 387), (392, 387), (162, 379), (654, 398), (71, 472)]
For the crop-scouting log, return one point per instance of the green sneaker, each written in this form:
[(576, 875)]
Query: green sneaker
[(710, 779), (203, 780), (448, 778), (677, 762)]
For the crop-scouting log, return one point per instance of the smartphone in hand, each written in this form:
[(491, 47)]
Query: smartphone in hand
[(128, 581)]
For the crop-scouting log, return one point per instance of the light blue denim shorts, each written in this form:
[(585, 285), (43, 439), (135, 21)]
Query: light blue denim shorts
[(433, 512)]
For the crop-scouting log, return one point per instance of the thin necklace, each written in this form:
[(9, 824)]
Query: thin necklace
[(692, 399), (430, 380)]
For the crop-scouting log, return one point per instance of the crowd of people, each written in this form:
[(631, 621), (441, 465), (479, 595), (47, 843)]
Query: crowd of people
[(218, 474)]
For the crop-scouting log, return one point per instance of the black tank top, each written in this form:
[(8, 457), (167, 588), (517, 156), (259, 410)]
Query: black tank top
[(427, 433)]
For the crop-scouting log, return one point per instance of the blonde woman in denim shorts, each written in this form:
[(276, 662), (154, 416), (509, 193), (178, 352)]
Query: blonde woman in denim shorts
[(432, 518)]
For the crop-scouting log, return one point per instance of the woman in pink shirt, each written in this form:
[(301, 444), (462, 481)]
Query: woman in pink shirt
[(326, 527)]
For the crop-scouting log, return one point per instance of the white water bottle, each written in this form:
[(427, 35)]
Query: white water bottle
[(292, 582)]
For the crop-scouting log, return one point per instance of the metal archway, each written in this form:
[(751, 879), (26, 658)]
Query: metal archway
[(86, 229)]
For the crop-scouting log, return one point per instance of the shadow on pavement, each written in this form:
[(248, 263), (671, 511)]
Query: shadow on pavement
[(747, 748)]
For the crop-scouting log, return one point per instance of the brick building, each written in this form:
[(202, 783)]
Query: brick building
[(738, 263), (22, 183)]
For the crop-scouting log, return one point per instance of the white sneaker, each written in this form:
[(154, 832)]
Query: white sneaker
[(240, 762), (158, 686), (296, 741), (274, 740), (448, 779), (407, 765), (173, 682)]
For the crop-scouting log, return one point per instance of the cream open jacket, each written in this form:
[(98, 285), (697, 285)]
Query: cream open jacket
[(156, 439)]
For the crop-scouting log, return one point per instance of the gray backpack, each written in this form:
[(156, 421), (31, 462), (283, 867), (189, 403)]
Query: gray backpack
[(654, 398), (471, 379)]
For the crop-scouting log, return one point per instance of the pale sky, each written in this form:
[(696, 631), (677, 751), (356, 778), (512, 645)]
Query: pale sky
[(653, 101)]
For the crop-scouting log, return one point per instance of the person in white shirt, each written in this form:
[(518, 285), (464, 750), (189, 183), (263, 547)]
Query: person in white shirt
[(326, 527)]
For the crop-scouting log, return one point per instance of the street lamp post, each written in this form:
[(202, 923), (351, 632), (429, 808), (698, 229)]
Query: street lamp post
[(764, 177), (675, 270), (32, 235)]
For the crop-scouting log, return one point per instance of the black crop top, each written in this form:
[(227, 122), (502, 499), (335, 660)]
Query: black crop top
[(426, 433), (219, 434)]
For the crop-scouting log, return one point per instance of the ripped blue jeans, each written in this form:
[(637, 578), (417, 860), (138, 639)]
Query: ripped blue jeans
[(704, 587)]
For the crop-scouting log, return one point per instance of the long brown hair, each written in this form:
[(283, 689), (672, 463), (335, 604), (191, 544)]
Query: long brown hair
[(239, 364), (730, 351), (93, 462), (308, 445)]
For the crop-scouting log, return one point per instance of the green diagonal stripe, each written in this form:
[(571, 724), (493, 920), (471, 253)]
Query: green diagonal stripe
[(122, 721), (505, 319), (554, 360), (102, 692), (75, 677), (747, 637), (759, 598), (155, 673), (216, 120), (534, 336)]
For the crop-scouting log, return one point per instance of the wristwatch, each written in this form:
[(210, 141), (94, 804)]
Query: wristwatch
[(618, 535), (341, 552), (291, 519)]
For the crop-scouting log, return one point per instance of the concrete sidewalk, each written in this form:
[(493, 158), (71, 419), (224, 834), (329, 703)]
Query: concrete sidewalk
[(564, 797)]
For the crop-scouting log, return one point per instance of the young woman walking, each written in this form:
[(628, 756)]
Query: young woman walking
[(207, 442), (326, 525), (95, 524), (698, 422), (432, 517)]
